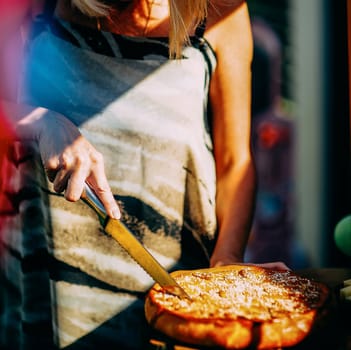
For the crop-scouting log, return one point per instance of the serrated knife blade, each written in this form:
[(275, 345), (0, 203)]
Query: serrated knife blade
[(117, 230)]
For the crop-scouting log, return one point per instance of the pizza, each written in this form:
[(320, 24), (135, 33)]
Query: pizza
[(237, 306)]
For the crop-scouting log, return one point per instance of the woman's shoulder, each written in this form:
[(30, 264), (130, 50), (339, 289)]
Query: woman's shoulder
[(218, 9), (227, 20)]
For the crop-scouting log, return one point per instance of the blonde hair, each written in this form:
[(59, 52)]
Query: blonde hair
[(184, 16)]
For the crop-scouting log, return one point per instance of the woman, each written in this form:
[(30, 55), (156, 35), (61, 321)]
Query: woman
[(164, 130)]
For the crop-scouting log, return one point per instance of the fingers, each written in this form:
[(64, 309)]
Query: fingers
[(98, 182), (277, 265), (102, 190), (69, 170), (63, 178), (223, 262), (80, 162), (76, 165)]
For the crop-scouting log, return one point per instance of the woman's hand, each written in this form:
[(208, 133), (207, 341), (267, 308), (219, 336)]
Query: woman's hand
[(276, 265), (68, 158)]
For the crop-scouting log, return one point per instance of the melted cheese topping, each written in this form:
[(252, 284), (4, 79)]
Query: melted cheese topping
[(255, 295)]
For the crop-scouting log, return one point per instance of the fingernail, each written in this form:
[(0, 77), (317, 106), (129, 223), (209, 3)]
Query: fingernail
[(116, 214)]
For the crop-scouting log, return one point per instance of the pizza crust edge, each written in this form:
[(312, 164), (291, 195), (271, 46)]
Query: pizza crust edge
[(230, 334)]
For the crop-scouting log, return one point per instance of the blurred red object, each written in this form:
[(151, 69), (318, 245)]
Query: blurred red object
[(6, 138), (12, 12), (271, 135), (10, 5)]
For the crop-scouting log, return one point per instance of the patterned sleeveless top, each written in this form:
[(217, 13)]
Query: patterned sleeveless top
[(70, 284)]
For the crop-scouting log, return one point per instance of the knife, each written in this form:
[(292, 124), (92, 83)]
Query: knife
[(129, 242)]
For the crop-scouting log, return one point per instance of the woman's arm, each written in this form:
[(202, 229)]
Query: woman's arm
[(230, 100), (69, 159)]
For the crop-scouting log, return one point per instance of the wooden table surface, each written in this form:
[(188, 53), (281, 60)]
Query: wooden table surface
[(333, 334)]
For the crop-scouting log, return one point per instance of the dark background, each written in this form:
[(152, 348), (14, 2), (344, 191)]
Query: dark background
[(335, 121)]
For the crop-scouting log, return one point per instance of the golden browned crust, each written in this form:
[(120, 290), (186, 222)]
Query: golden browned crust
[(233, 317)]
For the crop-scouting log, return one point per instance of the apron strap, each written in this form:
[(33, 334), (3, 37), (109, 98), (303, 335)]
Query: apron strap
[(49, 9), (200, 29)]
